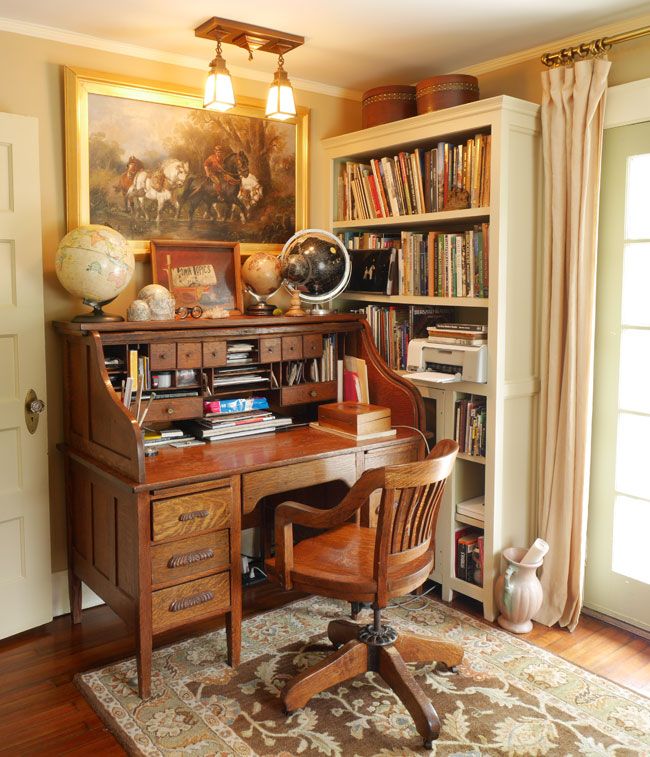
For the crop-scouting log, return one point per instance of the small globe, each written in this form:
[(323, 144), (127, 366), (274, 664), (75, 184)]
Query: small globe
[(261, 273), (315, 262), (94, 262)]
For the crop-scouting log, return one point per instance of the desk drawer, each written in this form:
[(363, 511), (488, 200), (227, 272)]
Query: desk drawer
[(270, 349), (190, 601), (260, 483), (162, 356), (190, 514), (302, 393), (214, 354), (186, 558), (291, 347), (175, 410), (312, 345), (188, 355)]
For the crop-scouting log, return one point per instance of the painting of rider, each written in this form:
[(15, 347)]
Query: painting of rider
[(161, 168)]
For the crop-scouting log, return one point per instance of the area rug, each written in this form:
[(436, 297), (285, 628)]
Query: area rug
[(508, 698)]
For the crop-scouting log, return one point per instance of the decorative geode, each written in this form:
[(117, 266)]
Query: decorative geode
[(160, 301), (138, 311)]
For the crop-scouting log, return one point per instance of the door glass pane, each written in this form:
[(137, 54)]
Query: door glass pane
[(634, 378), (637, 191), (631, 518), (633, 455), (635, 309)]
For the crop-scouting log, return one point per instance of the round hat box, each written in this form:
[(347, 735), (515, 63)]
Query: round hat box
[(384, 104), (438, 92)]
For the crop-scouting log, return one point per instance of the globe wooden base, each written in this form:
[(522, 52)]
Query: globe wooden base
[(295, 310)]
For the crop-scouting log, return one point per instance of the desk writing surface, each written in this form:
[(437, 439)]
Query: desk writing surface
[(201, 463)]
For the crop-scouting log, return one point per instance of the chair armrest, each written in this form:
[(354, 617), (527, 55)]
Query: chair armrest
[(288, 513)]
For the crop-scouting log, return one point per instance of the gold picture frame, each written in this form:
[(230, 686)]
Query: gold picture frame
[(251, 231)]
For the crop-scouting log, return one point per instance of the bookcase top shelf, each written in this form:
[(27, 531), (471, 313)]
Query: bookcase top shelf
[(466, 215)]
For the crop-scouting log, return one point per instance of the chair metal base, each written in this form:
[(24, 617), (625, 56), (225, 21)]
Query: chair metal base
[(380, 649)]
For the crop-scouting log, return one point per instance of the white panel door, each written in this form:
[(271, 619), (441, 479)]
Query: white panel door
[(25, 569)]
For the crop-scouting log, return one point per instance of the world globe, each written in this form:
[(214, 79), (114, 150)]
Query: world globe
[(262, 275), (316, 264), (95, 263)]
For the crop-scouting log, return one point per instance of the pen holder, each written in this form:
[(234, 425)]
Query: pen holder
[(519, 593)]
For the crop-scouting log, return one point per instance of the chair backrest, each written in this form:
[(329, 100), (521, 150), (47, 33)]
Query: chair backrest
[(409, 511)]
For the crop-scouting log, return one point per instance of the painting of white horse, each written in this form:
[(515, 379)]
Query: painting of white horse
[(176, 172)]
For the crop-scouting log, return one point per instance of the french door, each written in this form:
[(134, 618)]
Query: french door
[(617, 579)]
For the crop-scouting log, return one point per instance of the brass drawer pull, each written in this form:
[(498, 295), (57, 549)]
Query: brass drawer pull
[(313, 393), (162, 355), (178, 561), (170, 411), (193, 515), (185, 602)]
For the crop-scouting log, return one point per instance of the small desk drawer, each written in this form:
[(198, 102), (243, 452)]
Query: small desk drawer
[(174, 410), (189, 355), (291, 347), (184, 559), (191, 513), (162, 356), (312, 345), (190, 601), (270, 349), (316, 392), (214, 354)]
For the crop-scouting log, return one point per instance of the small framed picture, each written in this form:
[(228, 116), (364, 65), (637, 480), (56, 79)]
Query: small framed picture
[(207, 274)]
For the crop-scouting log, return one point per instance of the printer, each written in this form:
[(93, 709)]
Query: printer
[(438, 362)]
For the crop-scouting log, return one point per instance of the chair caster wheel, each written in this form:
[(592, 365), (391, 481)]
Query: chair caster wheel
[(287, 712), (428, 744), (453, 669)]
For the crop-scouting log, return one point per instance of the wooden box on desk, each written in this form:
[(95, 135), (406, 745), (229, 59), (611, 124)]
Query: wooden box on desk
[(356, 418)]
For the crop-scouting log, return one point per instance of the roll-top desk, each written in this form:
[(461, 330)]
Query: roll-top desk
[(158, 538)]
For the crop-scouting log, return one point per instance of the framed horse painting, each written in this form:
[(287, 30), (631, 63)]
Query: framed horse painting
[(148, 160)]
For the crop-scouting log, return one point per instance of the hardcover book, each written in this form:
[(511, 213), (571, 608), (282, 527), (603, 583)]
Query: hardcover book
[(373, 271)]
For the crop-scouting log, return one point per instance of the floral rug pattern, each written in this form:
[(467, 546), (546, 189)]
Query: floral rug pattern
[(508, 698)]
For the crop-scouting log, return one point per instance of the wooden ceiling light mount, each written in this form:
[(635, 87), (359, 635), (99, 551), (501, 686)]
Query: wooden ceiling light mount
[(280, 103), (249, 37)]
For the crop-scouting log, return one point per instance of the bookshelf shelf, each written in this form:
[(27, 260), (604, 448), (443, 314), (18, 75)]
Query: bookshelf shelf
[(401, 299), (466, 215), (506, 476)]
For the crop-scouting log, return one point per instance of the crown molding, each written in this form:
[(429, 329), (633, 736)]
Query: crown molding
[(494, 64), (65, 37)]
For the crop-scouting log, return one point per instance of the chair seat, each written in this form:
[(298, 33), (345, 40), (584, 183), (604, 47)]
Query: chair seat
[(340, 563)]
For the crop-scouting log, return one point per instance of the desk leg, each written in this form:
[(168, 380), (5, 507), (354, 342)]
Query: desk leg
[(233, 618), (233, 635), (144, 621), (74, 583)]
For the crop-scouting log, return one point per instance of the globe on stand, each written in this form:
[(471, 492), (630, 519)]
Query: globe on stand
[(95, 263), (316, 268), (262, 276)]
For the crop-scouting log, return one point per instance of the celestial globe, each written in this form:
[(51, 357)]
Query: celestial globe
[(95, 263), (262, 275)]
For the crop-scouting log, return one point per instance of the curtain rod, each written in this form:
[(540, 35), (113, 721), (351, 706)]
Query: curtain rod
[(595, 47)]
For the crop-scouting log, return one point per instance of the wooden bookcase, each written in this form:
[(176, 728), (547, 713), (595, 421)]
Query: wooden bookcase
[(506, 475)]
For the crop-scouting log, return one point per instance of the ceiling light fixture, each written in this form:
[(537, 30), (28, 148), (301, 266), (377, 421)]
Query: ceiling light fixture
[(280, 103), (219, 93)]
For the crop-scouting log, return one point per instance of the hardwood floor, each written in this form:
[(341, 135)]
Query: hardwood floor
[(41, 711)]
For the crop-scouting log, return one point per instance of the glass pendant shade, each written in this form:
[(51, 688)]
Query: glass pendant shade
[(280, 104), (219, 93)]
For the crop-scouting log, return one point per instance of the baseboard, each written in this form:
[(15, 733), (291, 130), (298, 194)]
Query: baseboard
[(642, 632), (60, 600)]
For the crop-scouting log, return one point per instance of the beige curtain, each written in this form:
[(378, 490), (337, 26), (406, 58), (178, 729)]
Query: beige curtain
[(573, 106)]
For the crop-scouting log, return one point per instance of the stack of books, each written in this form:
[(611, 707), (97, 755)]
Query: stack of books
[(227, 377), (446, 177), (469, 555), (458, 333), (239, 353), (168, 436), (222, 426)]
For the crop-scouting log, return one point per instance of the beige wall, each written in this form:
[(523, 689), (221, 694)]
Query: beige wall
[(31, 84)]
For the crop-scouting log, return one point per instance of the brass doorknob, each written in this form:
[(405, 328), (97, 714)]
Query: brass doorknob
[(33, 409)]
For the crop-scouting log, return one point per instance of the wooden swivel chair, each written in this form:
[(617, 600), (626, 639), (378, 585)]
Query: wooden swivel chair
[(360, 564)]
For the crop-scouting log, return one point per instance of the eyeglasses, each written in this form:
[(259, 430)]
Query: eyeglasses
[(184, 312)]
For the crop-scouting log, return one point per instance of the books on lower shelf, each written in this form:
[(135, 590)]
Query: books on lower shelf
[(470, 425), (444, 177), (469, 555)]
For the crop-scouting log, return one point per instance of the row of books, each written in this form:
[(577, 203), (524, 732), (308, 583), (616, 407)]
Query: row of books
[(328, 362), (470, 425), (394, 326), (468, 334), (433, 264), (469, 555), (445, 177)]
